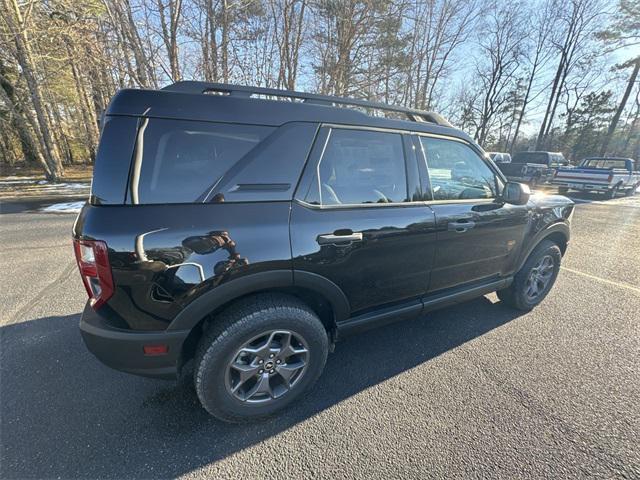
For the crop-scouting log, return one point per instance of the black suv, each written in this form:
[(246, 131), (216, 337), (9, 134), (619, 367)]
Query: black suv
[(237, 232)]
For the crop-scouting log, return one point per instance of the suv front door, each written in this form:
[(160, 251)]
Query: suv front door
[(478, 237), (360, 220)]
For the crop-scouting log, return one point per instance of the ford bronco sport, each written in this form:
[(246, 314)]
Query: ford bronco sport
[(237, 232)]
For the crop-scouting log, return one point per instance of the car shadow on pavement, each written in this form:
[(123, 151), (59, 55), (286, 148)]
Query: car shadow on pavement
[(66, 415)]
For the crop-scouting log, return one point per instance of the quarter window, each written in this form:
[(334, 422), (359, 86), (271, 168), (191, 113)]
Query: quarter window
[(456, 172), (360, 167), (179, 161)]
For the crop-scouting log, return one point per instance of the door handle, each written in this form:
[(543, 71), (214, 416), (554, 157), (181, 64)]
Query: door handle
[(460, 226), (339, 238)]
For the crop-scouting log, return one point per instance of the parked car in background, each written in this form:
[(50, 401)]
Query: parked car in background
[(534, 168), (244, 236), (600, 174), (500, 157)]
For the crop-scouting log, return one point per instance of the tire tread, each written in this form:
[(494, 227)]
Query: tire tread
[(238, 317)]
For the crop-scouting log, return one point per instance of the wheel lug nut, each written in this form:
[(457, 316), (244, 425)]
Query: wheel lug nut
[(277, 361), (261, 362), (271, 356), (260, 371)]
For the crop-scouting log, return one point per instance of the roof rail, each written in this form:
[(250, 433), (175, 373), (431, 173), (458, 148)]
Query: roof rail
[(328, 100)]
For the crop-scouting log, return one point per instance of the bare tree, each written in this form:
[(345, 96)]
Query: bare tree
[(169, 25), (18, 120), (623, 102), (579, 21), (437, 31), (18, 27), (500, 47), (288, 19), (537, 52)]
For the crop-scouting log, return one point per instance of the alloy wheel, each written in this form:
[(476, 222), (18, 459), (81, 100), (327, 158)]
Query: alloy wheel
[(266, 367), (539, 278)]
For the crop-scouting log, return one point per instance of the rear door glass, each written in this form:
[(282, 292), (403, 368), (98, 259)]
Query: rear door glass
[(361, 167), (179, 161)]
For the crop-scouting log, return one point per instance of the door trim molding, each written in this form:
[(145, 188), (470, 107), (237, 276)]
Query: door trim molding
[(414, 308)]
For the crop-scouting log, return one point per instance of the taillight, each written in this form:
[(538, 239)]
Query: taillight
[(93, 261)]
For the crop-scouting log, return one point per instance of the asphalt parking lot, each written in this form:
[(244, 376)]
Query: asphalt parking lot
[(476, 390)]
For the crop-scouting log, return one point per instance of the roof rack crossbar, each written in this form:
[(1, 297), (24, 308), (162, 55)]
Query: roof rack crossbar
[(311, 98)]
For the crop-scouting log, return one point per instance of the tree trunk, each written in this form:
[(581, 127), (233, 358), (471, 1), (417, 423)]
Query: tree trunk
[(621, 107), (225, 41), (23, 54), (28, 144)]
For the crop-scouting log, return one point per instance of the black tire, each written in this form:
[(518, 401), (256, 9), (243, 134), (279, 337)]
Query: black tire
[(516, 294), (631, 191), (237, 325), (563, 190), (611, 194)]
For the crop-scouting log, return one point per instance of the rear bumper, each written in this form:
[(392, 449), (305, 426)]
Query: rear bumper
[(123, 349), (590, 187)]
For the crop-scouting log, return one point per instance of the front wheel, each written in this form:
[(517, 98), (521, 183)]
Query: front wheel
[(535, 279), (260, 355)]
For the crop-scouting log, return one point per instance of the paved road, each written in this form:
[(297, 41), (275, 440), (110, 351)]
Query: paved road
[(474, 390)]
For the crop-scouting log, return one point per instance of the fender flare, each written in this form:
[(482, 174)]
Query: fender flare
[(213, 299), (558, 227), (325, 287)]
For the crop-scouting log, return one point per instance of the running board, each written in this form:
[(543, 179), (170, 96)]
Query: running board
[(415, 308)]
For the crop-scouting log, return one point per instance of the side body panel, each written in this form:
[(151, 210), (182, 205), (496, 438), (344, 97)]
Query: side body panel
[(489, 248), (165, 256), (391, 263)]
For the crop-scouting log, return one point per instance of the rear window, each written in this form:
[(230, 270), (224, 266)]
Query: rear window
[(605, 163), (530, 157), (180, 161)]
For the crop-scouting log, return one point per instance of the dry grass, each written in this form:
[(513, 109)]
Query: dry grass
[(72, 173), (28, 183)]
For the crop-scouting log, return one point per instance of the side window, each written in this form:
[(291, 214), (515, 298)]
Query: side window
[(456, 172), (179, 161), (360, 167)]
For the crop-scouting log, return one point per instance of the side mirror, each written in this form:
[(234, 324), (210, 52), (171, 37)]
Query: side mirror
[(516, 193)]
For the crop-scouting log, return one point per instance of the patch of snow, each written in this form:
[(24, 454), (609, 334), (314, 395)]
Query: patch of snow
[(43, 182), (67, 207), (15, 182), (15, 177), (75, 185)]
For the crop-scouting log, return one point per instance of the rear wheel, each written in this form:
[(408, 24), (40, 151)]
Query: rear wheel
[(262, 354), (611, 194), (535, 279)]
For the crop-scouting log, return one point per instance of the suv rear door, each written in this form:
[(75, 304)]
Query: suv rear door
[(360, 219), (478, 238)]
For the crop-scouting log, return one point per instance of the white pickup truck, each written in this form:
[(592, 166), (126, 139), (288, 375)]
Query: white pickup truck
[(600, 174)]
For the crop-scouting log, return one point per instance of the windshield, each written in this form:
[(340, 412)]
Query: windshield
[(605, 163), (530, 157)]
